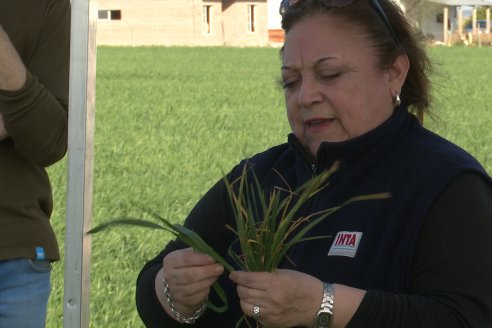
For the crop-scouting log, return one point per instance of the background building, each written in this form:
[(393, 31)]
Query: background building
[(256, 22), (183, 22), (442, 21)]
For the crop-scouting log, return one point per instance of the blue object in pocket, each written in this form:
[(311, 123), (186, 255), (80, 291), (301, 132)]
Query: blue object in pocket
[(40, 255)]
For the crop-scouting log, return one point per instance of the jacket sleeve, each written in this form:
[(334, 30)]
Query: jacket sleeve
[(452, 268), (35, 116)]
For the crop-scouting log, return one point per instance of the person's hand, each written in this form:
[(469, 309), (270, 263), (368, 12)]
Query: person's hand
[(189, 276), (285, 298), (3, 132)]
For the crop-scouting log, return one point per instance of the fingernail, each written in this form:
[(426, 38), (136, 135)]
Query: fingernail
[(219, 268)]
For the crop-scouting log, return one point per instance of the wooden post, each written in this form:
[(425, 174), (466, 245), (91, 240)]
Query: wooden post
[(80, 163)]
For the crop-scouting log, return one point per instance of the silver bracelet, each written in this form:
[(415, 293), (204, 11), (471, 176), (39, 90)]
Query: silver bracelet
[(179, 317)]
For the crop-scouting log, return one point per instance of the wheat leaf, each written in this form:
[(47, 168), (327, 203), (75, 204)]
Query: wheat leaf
[(220, 292), (125, 221), (188, 236)]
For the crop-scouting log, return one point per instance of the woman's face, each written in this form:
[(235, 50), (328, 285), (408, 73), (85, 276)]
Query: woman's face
[(334, 89)]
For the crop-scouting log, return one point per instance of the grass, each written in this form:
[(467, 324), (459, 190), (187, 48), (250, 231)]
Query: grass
[(170, 121), (463, 100)]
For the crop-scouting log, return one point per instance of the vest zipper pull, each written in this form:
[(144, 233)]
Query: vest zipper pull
[(314, 170)]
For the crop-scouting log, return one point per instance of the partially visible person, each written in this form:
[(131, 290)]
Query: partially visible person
[(34, 75), (353, 73)]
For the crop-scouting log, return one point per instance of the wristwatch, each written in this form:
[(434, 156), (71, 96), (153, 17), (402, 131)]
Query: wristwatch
[(325, 314)]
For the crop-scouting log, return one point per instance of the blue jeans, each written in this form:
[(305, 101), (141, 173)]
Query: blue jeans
[(24, 292)]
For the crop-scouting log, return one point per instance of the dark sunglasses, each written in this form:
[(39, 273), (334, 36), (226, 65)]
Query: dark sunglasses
[(285, 5)]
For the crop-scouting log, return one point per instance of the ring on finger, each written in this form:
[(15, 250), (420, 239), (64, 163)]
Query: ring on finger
[(256, 312)]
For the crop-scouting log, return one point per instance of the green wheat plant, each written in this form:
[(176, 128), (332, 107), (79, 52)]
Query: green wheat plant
[(267, 225)]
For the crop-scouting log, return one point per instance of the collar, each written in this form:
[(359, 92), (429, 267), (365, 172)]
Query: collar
[(362, 151)]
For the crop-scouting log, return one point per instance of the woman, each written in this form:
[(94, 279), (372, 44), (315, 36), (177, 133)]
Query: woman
[(351, 71)]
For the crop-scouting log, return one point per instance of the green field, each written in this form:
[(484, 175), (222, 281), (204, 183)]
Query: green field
[(170, 121)]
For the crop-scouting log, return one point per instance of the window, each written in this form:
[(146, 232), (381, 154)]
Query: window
[(109, 14), (251, 19), (207, 19)]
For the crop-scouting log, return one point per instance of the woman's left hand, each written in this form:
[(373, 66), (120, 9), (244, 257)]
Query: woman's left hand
[(285, 298)]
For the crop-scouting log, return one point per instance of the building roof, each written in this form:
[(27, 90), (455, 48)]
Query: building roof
[(464, 2)]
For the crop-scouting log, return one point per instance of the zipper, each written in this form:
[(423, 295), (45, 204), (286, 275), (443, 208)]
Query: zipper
[(314, 170), (309, 160)]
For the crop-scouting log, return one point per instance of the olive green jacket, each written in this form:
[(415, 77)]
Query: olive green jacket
[(35, 118)]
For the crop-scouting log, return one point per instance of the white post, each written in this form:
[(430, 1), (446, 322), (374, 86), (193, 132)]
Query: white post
[(460, 21), (445, 25), (474, 21), (487, 20), (80, 163)]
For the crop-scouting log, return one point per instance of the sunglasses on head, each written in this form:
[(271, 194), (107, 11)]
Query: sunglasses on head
[(285, 5)]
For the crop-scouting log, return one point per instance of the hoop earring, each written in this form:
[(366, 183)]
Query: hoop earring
[(397, 100)]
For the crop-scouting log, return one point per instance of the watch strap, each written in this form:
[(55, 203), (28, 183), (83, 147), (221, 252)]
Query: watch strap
[(324, 316)]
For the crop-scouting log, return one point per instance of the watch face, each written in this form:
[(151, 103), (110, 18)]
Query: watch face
[(323, 320)]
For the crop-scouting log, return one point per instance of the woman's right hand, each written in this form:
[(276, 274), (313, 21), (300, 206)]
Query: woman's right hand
[(189, 276)]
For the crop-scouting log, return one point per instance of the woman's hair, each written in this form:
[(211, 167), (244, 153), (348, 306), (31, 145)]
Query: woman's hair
[(416, 91)]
